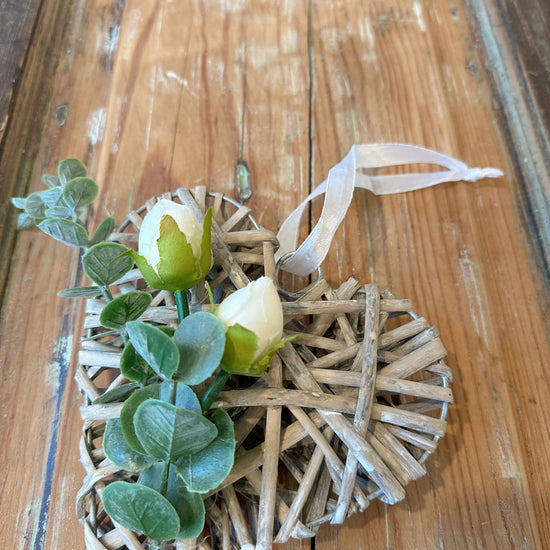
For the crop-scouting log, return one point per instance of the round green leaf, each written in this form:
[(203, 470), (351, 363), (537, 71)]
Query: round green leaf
[(50, 181), (34, 206), (104, 263), (156, 347), (104, 229), (206, 469), (116, 394), (65, 231), (80, 192), (24, 221), (200, 339), (168, 433), (52, 197), (188, 505), (18, 202), (67, 170), (133, 366), (80, 292), (119, 452), (59, 212), (124, 308), (185, 396), (141, 509), (129, 410), (153, 476)]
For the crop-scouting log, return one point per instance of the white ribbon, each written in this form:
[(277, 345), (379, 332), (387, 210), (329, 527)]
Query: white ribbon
[(344, 178)]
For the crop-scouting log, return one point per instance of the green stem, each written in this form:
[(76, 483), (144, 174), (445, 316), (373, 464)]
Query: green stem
[(106, 293), (164, 484), (182, 305), (214, 389)]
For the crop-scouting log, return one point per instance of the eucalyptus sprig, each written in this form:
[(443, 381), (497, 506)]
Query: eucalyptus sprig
[(166, 435)]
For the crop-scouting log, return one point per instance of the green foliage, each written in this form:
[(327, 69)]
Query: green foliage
[(65, 231), (50, 181), (167, 432), (80, 292), (69, 169), (57, 209), (188, 505), (129, 410), (141, 509), (156, 347), (162, 433), (34, 206), (116, 394), (104, 229), (52, 197), (206, 469), (124, 308), (79, 192), (133, 366), (200, 339), (104, 263), (119, 452)]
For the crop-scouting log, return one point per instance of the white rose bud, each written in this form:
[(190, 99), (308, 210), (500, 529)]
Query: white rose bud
[(174, 249), (257, 309)]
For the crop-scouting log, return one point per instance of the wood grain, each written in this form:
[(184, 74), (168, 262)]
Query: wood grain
[(33, 41), (155, 95)]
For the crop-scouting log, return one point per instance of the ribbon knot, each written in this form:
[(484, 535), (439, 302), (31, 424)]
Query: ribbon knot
[(340, 184)]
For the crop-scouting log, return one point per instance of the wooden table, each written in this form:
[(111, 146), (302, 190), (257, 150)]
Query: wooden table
[(154, 95)]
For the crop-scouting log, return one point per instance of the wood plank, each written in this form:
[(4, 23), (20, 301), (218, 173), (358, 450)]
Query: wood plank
[(33, 41), (520, 87), (163, 94), (410, 72), (16, 26)]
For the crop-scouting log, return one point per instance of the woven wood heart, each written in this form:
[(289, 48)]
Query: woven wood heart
[(348, 412)]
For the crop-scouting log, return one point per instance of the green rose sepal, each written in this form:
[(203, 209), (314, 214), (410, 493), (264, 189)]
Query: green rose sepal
[(241, 345), (178, 268)]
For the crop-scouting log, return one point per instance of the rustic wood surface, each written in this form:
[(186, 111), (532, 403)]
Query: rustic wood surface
[(156, 95)]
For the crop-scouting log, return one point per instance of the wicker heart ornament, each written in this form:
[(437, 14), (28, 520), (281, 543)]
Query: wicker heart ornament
[(348, 412)]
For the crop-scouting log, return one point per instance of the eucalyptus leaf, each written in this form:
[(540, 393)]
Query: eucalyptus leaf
[(116, 394), (52, 197), (200, 339), (59, 212), (133, 366), (168, 433), (65, 231), (152, 477), (50, 181), (104, 229), (80, 192), (18, 202), (119, 452), (104, 263), (188, 505), (185, 396), (34, 206), (156, 347), (69, 169), (206, 469), (129, 410), (141, 509), (80, 292), (124, 308), (24, 221)]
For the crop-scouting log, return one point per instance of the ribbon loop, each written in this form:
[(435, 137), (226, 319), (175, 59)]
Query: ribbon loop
[(340, 184)]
